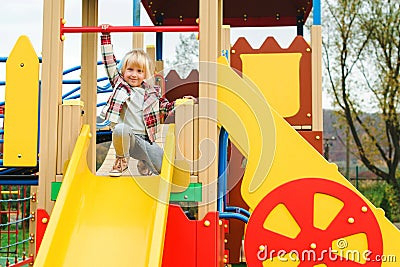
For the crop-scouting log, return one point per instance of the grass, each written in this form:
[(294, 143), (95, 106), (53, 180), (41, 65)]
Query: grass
[(10, 248)]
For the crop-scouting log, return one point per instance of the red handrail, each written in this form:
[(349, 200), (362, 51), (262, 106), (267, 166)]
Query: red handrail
[(110, 28)]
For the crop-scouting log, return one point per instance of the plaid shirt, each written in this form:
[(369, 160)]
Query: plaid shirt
[(155, 107)]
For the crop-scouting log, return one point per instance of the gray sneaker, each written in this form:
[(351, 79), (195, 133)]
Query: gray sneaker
[(143, 168)]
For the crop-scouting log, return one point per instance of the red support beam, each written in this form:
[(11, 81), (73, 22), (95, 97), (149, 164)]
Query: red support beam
[(42, 218)]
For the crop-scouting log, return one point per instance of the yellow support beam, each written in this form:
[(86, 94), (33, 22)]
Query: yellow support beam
[(89, 74)]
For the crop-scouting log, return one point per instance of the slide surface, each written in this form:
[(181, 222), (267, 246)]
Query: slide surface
[(104, 221)]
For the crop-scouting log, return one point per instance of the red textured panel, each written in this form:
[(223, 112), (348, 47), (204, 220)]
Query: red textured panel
[(270, 45)]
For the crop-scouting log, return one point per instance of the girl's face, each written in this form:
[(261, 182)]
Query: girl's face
[(134, 76)]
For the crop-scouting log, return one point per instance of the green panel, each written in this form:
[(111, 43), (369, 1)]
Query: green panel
[(191, 194), (55, 188)]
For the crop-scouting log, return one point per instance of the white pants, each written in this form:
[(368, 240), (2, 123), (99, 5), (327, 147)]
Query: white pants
[(137, 146)]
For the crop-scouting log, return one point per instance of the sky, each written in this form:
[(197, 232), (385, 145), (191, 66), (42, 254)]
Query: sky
[(25, 17)]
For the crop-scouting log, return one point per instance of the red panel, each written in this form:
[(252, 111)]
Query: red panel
[(180, 239), (192, 243), (210, 242), (42, 219)]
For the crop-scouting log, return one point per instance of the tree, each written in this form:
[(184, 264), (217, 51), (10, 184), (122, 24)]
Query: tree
[(186, 55), (362, 60)]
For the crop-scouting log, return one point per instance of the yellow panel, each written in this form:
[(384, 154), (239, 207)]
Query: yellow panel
[(277, 75), (351, 247), (22, 105), (326, 208), (239, 106), (282, 222), (276, 153), (104, 221)]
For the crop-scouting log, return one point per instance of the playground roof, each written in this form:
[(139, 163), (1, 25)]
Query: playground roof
[(237, 13)]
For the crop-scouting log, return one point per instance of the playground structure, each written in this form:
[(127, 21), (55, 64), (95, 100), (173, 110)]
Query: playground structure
[(266, 101)]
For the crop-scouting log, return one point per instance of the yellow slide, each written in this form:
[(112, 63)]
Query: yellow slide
[(103, 221), (299, 201)]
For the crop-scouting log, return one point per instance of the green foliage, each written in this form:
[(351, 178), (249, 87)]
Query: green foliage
[(20, 249), (382, 195)]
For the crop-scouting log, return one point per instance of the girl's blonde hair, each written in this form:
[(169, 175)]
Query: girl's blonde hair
[(139, 58)]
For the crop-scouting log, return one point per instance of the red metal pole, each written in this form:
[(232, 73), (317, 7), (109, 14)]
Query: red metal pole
[(131, 29), (110, 28)]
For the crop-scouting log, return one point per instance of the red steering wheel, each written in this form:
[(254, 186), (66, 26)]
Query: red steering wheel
[(330, 245)]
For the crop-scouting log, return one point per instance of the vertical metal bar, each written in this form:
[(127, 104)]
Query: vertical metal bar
[(18, 206), (222, 167), (136, 13), (9, 224), (159, 45), (317, 12), (300, 25), (24, 213), (357, 176)]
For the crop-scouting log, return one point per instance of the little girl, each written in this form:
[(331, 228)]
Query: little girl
[(135, 109)]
